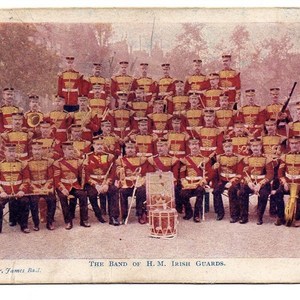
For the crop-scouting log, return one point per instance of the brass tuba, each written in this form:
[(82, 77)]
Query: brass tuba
[(290, 209), (34, 119)]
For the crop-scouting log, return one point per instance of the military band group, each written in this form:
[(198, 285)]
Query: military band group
[(104, 135)]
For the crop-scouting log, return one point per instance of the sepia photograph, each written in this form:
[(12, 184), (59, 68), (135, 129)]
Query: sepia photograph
[(149, 145)]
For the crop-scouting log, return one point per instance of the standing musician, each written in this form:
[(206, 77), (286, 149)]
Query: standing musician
[(59, 119), (122, 82), (193, 113), (211, 95), (229, 169), (70, 85), (196, 173), (84, 117), (34, 116), (197, 81), (96, 80), (99, 177), (145, 82), (258, 173), (166, 163), (19, 136), (145, 141), (230, 81), (165, 85), (14, 178), (7, 108), (289, 175), (41, 185), (131, 171), (67, 176), (273, 111), (98, 101), (252, 114)]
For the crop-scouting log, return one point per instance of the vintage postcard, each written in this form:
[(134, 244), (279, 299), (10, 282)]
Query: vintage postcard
[(150, 145)]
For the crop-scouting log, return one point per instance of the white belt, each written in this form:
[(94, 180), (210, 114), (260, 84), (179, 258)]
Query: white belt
[(121, 129), (208, 148), (227, 175), (70, 90), (68, 180), (38, 181), (230, 88), (144, 154), (159, 131), (8, 126), (192, 127), (22, 154), (193, 178), (97, 176), (61, 130), (177, 152), (289, 176), (10, 183), (258, 176)]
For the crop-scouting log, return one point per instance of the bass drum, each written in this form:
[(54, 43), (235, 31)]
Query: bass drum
[(163, 223)]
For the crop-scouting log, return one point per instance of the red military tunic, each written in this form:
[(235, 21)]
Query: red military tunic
[(289, 168), (210, 140), (177, 104), (122, 83), (225, 118), (81, 147), (165, 86), (96, 80), (148, 84), (272, 145), (140, 110), (98, 169), (22, 139), (231, 83), (67, 173), (60, 121), (230, 167), (50, 147), (14, 177), (89, 122), (120, 119), (193, 119), (210, 98), (294, 128), (41, 176), (177, 143), (70, 86), (240, 145), (144, 143), (196, 83), (6, 116), (127, 167), (159, 122), (98, 106), (112, 144), (196, 170)]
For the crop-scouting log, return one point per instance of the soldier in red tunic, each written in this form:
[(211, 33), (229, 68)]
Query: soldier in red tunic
[(81, 146), (196, 173), (258, 173), (229, 170), (70, 85), (164, 162), (98, 102), (273, 111), (41, 185), (85, 117), (289, 174), (96, 79), (99, 178), (252, 114), (197, 81), (7, 109), (14, 177), (211, 95), (145, 82), (59, 119), (67, 176), (165, 85), (230, 81), (122, 82), (178, 102), (131, 171)]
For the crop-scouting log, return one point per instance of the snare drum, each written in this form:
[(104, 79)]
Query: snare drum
[(163, 223)]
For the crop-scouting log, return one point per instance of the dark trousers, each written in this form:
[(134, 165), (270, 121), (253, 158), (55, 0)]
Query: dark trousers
[(34, 208), (81, 195), (185, 196), (218, 201), (71, 108), (21, 210), (140, 196), (113, 201), (178, 202)]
